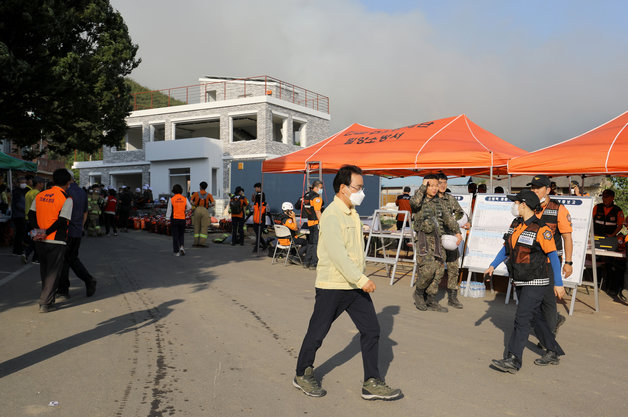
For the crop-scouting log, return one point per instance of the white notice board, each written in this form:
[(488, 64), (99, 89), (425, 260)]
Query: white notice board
[(465, 204), (492, 217), (581, 210)]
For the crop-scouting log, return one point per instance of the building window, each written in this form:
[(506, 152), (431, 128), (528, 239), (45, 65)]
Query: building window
[(244, 128), (210, 96), (198, 129), (133, 139), (157, 132), (95, 179), (180, 176), (214, 190), (298, 133), (280, 124)]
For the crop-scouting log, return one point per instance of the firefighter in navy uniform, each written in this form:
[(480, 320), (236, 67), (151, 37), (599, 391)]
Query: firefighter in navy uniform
[(556, 216), (312, 207), (608, 219), (528, 246), (287, 218), (237, 207)]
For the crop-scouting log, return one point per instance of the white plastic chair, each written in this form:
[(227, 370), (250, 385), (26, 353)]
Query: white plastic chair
[(282, 232)]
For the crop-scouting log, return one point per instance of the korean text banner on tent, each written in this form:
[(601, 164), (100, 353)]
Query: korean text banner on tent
[(454, 145)]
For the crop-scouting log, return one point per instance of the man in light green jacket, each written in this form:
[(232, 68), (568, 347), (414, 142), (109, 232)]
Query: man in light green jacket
[(342, 286)]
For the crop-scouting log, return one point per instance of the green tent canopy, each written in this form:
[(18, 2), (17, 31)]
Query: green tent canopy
[(9, 162)]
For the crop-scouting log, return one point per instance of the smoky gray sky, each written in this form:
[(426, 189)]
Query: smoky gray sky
[(532, 73)]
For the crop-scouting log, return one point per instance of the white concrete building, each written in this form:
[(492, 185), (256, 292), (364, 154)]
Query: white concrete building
[(191, 134)]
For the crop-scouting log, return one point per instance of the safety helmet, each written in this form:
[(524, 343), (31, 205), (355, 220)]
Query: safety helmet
[(463, 220), (287, 206), (449, 242)]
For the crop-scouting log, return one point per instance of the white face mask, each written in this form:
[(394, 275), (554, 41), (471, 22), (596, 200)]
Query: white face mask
[(320, 191), (356, 198), (514, 209), (543, 199), (23, 185)]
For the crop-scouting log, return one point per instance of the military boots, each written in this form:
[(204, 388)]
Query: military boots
[(419, 299), (452, 300), (433, 305)]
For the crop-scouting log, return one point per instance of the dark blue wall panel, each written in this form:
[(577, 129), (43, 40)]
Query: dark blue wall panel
[(288, 187)]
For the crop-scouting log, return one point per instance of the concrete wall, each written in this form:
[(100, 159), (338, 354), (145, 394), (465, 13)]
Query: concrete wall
[(185, 153), (105, 172)]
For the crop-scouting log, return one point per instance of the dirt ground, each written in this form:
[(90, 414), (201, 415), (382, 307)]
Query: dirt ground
[(217, 332)]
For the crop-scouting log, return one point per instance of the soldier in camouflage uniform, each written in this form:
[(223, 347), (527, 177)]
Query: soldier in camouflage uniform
[(94, 203), (430, 222), (450, 205)]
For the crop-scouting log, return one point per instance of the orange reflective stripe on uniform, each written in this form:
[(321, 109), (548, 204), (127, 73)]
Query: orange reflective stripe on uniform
[(48, 205), (178, 206)]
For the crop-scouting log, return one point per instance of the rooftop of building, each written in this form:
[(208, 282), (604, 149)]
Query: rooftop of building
[(218, 88)]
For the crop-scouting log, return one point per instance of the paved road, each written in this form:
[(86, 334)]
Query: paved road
[(216, 333)]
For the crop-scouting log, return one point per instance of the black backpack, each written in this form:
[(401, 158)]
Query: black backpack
[(235, 205), (298, 204)]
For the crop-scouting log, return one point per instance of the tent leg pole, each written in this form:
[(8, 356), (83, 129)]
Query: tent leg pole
[(491, 181)]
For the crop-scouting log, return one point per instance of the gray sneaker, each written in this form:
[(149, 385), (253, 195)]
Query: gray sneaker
[(308, 383), (376, 389)]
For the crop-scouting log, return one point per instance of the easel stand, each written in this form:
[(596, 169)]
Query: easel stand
[(377, 233), (593, 284)]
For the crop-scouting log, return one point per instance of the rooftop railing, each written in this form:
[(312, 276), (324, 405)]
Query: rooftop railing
[(213, 91)]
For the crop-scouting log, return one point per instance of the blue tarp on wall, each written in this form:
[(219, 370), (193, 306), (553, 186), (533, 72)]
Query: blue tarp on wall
[(288, 187)]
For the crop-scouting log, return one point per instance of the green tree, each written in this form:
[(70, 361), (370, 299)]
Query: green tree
[(62, 79), (620, 186)]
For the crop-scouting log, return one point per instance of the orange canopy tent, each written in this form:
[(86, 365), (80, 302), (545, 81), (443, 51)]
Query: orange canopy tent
[(603, 150), (455, 145)]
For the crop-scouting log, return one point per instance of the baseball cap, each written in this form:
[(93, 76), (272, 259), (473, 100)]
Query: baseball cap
[(526, 196), (540, 181)]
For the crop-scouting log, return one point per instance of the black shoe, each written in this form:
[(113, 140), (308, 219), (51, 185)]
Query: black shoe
[(561, 320), (62, 295), (511, 364), (90, 288), (306, 266), (549, 358), (47, 308)]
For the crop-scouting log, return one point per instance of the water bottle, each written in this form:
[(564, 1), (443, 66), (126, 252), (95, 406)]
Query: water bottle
[(463, 287)]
